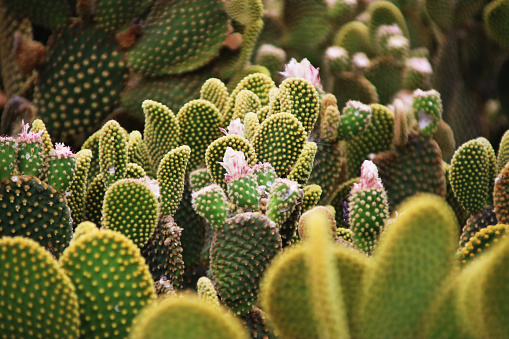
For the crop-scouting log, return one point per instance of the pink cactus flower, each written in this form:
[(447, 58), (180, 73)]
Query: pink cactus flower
[(235, 128), (369, 178), (62, 151), (235, 164), (304, 70), (29, 137)]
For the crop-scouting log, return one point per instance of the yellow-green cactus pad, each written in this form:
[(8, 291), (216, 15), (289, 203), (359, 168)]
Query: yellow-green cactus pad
[(199, 179), (138, 153), (94, 200), (476, 222), (38, 299), (483, 241), (215, 91), (245, 102), (113, 148), (171, 176), (78, 187)]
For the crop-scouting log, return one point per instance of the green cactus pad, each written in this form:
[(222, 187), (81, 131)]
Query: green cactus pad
[(215, 153), (163, 252), (199, 179), (287, 138), (53, 15), (351, 86), (251, 124), (483, 241), (256, 241), (470, 175), (110, 15), (113, 284), (299, 97), (134, 171), (32, 209), (500, 194), (355, 119), (257, 324), (495, 16), (243, 192), (476, 222), (61, 168), (82, 229), (207, 292), (385, 13), (131, 208), (78, 187), (311, 197), (162, 130), (244, 72), (265, 175), (179, 37), (30, 156), (40, 304), (85, 69), (304, 165), (171, 176), (199, 122), (503, 153), (285, 194), (427, 107), (215, 91), (354, 38), (38, 125), (138, 153), (94, 200), (7, 157), (410, 263), (245, 102), (113, 149), (92, 143), (187, 317)]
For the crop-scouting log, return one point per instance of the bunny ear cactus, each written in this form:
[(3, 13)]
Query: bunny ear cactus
[(138, 153), (251, 124), (134, 171), (112, 285), (355, 119), (33, 307), (311, 197), (427, 107), (78, 187), (215, 91), (92, 144), (171, 176), (256, 241), (55, 15), (7, 157), (199, 179), (211, 203), (476, 222), (284, 196), (94, 200), (411, 261), (207, 292), (482, 241), (61, 168), (495, 16), (186, 317), (113, 152), (30, 155), (304, 165), (245, 102)]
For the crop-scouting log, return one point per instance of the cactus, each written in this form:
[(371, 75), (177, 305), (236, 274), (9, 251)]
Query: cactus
[(207, 292), (78, 187), (495, 16), (30, 154), (355, 119), (215, 91), (113, 150), (171, 176), (304, 165), (476, 222), (61, 167), (82, 229), (138, 153), (7, 157), (210, 202), (500, 196), (482, 241), (251, 125), (199, 179), (306, 107), (237, 277), (245, 102), (284, 196), (33, 307), (134, 171), (427, 107), (312, 194), (115, 279)]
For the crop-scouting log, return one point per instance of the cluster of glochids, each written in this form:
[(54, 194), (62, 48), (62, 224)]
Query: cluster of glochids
[(350, 270)]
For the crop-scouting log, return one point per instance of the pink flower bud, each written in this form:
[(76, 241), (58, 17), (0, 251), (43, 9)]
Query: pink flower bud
[(235, 164), (62, 151), (369, 178), (235, 128), (303, 70), (29, 137)]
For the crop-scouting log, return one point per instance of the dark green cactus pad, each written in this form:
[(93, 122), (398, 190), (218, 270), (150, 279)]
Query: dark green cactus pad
[(7, 157), (476, 222), (92, 143), (94, 200), (495, 16), (30, 156), (163, 252), (78, 187), (385, 13), (243, 192), (415, 168), (171, 176), (306, 23), (52, 15), (351, 86), (215, 153), (32, 209), (287, 138), (80, 83), (162, 131), (385, 74), (131, 208), (199, 122), (355, 119), (41, 304), (354, 38), (299, 97), (482, 241), (179, 36), (138, 153), (237, 276), (257, 325), (113, 284), (376, 138), (110, 15), (61, 168), (340, 202)]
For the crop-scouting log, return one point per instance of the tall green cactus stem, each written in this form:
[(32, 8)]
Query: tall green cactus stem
[(61, 168), (410, 263), (477, 222), (287, 138), (257, 241), (30, 152), (251, 124), (215, 153), (199, 179), (245, 102), (311, 197), (171, 176), (32, 209), (112, 285), (485, 276), (215, 91), (34, 307), (131, 208), (284, 196), (376, 138), (470, 175), (495, 16), (368, 208), (304, 165), (38, 125), (7, 157), (207, 292), (199, 122), (78, 187), (299, 97), (305, 278), (138, 153), (427, 107), (355, 119), (503, 153), (258, 83), (482, 241), (113, 148), (162, 130), (186, 317), (94, 200), (198, 28), (414, 168), (92, 143), (163, 252)]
